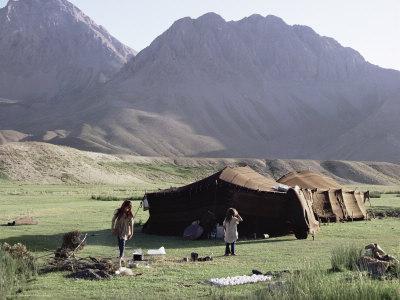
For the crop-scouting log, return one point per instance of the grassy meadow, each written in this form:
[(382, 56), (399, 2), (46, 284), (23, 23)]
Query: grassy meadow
[(63, 208)]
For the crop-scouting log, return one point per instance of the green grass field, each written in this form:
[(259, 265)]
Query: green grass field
[(62, 208)]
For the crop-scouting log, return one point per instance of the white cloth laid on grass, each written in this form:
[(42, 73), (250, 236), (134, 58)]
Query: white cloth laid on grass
[(237, 280)]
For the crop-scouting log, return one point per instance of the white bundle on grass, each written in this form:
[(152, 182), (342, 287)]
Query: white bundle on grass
[(122, 271), (237, 280)]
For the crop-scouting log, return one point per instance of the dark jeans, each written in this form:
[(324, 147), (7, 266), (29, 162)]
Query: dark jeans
[(121, 246), (232, 250)]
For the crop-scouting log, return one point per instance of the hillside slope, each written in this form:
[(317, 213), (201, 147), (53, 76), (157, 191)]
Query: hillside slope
[(34, 162)]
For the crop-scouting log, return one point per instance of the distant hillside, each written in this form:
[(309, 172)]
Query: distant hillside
[(34, 162)]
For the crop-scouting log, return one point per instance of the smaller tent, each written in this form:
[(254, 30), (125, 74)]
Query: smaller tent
[(263, 208), (330, 201)]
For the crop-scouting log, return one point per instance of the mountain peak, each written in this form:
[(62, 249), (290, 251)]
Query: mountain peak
[(211, 17), (269, 19), (275, 19), (55, 10), (46, 6), (38, 3), (55, 41)]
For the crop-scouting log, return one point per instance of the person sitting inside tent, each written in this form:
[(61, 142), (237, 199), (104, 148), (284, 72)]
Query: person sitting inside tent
[(230, 224)]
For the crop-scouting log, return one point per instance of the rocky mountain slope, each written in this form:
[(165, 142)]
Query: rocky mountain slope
[(34, 162), (50, 49), (210, 88), (253, 88)]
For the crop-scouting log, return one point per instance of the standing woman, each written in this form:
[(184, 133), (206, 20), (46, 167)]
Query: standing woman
[(122, 226), (230, 224)]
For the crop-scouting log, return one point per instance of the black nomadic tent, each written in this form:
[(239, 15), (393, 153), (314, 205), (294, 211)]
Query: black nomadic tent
[(264, 209)]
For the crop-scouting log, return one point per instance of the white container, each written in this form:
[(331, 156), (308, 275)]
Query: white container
[(160, 251)]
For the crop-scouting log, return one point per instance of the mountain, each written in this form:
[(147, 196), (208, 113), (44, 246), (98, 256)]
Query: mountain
[(50, 49), (253, 88), (257, 87)]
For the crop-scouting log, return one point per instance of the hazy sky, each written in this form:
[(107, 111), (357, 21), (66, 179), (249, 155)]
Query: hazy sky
[(370, 26)]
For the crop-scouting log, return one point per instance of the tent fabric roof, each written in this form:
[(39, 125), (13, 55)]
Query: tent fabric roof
[(244, 177), (309, 180), (248, 178)]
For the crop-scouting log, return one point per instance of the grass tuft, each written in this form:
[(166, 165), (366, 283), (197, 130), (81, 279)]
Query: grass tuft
[(15, 272), (345, 258)]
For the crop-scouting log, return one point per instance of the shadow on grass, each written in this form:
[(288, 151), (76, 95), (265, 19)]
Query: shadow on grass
[(269, 240), (39, 243)]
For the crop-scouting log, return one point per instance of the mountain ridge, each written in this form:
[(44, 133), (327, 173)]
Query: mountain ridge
[(256, 87), (177, 44)]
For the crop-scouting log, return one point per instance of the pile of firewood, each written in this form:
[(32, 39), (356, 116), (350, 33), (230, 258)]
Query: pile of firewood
[(82, 268), (72, 242)]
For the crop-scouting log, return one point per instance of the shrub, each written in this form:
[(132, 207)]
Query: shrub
[(391, 192), (105, 198), (375, 194), (113, 198), (345, 258), (17, 267), (384, 212), (3, 176)]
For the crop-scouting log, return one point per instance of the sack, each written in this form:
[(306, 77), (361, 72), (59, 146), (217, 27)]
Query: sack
[(220, 232), (193, 232)]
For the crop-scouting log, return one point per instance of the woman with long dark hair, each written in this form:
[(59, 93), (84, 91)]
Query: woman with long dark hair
[(122, 225), (230, 224)]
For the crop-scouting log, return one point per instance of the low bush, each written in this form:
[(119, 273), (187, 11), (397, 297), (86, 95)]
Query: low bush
[(3, 176), (113, 198), (391, 192), (345, 258), (17, 267), (375, 194), (105, 198), (384, 212)]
